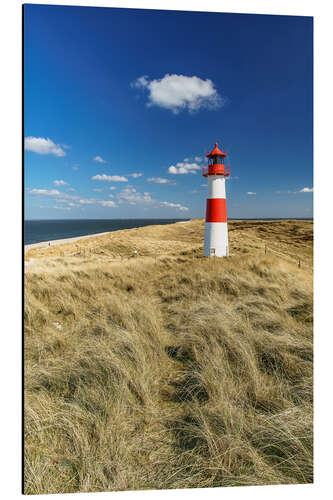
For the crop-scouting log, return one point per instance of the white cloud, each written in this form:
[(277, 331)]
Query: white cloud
[(158, 180), (60, 183), (62, 208), (93, 201), (71, 189), (131, 195), (57, 195), (71, 200), (184, 168), (303, 190), (45, 192), (204, 185), (65, 197), (99, 159), (107, 203), (43, 146), (98, 190), (112, 188), (75, 167), (198, 159), (109, 178), (87, 201), (142, 81), (251, 192), (178, 92), (178, 206), (135, 176)]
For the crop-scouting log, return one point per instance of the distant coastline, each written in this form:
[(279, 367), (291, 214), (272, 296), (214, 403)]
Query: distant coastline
[(39, 231)]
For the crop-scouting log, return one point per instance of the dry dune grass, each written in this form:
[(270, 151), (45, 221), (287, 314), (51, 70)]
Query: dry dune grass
[(179, 373)]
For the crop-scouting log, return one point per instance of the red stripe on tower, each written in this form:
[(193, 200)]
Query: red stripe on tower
[(216, 210)]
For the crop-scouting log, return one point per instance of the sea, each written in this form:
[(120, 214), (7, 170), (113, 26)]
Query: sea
[(36, 231)]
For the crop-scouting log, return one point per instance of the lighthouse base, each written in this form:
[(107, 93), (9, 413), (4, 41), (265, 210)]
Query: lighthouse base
[(216, 239)]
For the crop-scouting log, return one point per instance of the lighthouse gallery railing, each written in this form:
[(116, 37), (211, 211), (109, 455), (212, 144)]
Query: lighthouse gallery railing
[(216, 169)]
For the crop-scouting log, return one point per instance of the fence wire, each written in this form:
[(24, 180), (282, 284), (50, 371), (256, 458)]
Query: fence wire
[(300, 263), (85, 252)]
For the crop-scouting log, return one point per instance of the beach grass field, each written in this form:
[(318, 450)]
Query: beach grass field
[(148, 366)]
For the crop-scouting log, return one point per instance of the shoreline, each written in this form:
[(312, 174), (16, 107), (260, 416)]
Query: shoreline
[(45, 244), (61, 241)]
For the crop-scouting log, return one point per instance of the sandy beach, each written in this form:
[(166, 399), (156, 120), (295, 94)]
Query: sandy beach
[(45, 244)]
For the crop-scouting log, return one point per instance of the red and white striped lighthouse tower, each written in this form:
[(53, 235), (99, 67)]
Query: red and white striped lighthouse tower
[(216, 226)]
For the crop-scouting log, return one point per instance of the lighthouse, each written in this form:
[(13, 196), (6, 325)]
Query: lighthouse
[(216, 225)]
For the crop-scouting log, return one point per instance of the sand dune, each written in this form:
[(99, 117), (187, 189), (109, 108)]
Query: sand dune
[(169, 370)]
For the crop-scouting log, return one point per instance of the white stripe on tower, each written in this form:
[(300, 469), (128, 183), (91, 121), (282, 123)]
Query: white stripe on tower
[(216, 226)]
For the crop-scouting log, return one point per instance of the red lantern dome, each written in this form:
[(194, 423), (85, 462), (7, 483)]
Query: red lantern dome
[(216, 152)]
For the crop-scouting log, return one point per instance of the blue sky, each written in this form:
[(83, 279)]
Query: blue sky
[(122, 104)]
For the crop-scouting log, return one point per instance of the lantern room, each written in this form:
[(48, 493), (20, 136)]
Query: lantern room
[(216, 165)]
